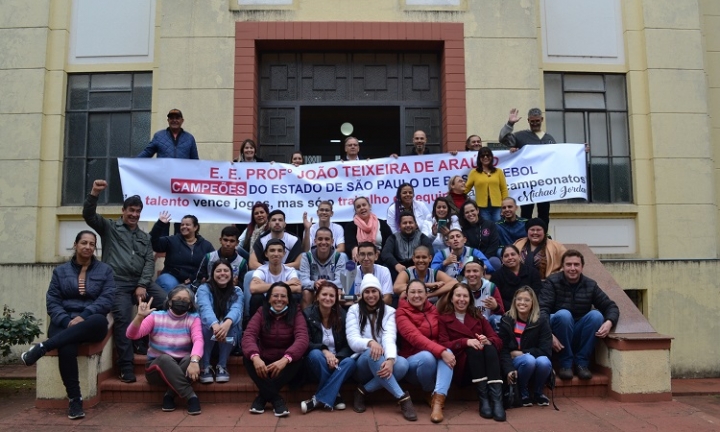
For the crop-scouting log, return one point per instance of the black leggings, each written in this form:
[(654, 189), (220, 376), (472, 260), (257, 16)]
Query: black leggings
[(483, 363), (526, 211), (66, 341), (269, 388)]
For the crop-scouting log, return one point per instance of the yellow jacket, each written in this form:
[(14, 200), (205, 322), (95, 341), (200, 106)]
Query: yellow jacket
[(493, 184)]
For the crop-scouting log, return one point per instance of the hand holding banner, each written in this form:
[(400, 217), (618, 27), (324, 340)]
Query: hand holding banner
[(224, 192)]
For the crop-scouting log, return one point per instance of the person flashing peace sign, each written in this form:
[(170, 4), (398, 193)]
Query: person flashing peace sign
[(176, 346)]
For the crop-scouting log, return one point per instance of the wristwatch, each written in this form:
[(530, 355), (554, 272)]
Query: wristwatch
[(195, 361)]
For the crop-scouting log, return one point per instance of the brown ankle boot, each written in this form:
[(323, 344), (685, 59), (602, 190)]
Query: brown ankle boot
[(407, 408), (438, 403)]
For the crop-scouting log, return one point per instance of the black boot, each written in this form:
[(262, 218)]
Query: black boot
[(496, 400), (482, 392)]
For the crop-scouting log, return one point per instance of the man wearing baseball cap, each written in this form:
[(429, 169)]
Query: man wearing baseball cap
[(173, 142)]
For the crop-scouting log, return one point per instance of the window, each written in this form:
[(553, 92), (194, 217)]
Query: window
[(107, 116), (585, 108)]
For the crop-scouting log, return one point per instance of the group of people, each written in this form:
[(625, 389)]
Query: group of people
[(467, 292)]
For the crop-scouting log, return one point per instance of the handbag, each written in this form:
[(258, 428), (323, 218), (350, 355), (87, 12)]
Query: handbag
[(511, 396)]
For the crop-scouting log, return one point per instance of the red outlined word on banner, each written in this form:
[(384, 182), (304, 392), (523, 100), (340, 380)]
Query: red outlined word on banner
[(207, 187)]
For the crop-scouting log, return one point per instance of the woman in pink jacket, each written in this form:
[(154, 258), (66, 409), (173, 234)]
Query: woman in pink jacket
[(430, 363)]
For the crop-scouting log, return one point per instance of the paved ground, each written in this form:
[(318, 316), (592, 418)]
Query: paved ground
[(695, 408), (685, 413)]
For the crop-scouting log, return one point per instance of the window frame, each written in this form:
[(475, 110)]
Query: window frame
[(587, 131), (88, 112)]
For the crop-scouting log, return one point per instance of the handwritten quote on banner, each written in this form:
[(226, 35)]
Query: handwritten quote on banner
[(224, 192)]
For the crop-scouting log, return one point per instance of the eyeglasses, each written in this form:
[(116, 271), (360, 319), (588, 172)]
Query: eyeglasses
[(174, 116), (485, 156)]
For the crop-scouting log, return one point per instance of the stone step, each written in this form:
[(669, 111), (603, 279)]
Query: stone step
[(241, 388)]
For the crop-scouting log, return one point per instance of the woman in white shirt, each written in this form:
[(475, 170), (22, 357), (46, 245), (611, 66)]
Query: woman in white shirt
[(405, 201), (443, 220), (371, 334)]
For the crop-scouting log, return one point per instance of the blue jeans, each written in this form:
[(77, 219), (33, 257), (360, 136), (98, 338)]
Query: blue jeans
[(167, 282), (536, 368), (366, 374), (224, 349), (578, 337), (491, 214), (330, 381), (246, 293), (428, 372)]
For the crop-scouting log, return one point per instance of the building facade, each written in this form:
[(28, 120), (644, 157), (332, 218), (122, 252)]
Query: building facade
[(87, 81)]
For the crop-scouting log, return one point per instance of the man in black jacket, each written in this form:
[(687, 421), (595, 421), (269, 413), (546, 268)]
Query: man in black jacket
[(398, 251), (579, 312)]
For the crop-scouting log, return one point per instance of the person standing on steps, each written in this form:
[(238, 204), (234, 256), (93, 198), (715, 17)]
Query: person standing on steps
[(128, 251)]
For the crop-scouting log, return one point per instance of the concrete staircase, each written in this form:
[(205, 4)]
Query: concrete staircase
[(242, 389), (632, 364)]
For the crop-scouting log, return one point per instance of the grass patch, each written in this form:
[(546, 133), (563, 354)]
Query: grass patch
[(16, 386)]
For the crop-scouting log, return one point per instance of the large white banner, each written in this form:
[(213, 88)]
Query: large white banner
[(224, 192)]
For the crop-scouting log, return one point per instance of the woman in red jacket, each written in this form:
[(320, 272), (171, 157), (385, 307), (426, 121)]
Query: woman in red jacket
[(273, 344), (430, 364), (469, 335)]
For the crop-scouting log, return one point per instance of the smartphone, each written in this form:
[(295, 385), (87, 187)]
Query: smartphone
[(442, 223)]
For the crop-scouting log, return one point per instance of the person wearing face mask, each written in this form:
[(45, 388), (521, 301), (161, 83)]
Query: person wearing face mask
[(329, 358), (430, 364), (274, 344), (176, 346), (184, 252), (220, 305), (78, 300)]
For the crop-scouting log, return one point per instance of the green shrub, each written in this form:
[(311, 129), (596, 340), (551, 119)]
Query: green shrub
[(19, 331)]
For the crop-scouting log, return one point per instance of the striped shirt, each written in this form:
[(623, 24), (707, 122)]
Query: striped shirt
[(519, 329), (175, 336)]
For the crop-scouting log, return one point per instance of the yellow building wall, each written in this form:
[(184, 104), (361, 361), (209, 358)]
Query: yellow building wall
[(672, 50)]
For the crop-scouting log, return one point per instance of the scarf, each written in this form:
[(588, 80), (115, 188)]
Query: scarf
[(367, 231), (458, 199), (257, 232)]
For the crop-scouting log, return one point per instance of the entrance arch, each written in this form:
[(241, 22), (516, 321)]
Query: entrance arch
[(254, 39)]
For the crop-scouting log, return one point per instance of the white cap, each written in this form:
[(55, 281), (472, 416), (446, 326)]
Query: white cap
[(369, 281)]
